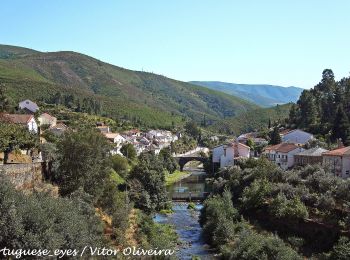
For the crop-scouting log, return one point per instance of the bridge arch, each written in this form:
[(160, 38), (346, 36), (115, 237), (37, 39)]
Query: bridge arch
[(183, 160)]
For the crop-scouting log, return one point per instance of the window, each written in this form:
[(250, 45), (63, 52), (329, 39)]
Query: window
[(347, 172)]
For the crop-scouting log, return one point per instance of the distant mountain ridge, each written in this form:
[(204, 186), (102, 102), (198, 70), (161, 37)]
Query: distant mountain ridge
[(260, 94)]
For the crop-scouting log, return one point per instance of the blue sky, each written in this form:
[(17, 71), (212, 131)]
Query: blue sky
[(275, 42)]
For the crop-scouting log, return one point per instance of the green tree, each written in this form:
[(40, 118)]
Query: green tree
[(83, 162), (193, 130), (255, 195), (41, 221), (13, 136), (341, 250), (168, 161), (251, 144), (341, 126), (120, 165), (217, 218), (292, 209), (128, 151), (308, 111), (252, 246), (275, 137), (147, 183)]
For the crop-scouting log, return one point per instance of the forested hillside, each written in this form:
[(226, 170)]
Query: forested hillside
[(260, 94), (152, 99), (324, 109), (252, 120)]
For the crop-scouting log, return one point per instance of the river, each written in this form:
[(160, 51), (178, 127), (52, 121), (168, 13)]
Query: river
[(185, 221)]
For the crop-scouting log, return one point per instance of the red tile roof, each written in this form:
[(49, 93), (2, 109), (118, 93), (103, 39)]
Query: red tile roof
[(282, 148), (339, 152), (17, 118)]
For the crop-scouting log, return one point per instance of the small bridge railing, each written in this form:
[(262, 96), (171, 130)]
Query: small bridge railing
[(189, 196)]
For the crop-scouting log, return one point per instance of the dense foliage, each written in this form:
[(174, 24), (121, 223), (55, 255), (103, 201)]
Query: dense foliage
[(40, 221), (13, 136), (147, 183), (82, 162), (324, 109), (306, 207)]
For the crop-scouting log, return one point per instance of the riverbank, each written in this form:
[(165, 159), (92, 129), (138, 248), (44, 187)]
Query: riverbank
[(170, 179), (186, 225)]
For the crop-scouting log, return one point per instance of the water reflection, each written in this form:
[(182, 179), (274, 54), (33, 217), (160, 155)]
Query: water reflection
[(189, 231), (185, 220)]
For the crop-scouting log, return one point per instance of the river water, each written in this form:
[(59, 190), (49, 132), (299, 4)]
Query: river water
[(185, 221)]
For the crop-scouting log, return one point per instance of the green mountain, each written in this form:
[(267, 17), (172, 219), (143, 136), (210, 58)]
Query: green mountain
[(154, 100), (262, 95), (252, 120)]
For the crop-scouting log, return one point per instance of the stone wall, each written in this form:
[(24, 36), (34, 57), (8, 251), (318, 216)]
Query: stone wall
[(23, 176)]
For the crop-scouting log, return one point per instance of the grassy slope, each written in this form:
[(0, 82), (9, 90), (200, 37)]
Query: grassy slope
[(155, 99), (252, 120)]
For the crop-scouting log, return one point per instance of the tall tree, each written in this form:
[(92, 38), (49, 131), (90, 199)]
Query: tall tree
[(341, 126), (275, 137), (193, 130), (308, 111), (128, 151), (83, 162), (147, 183)]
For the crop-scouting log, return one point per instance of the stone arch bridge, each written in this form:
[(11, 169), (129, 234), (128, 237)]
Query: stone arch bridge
[(182, 160)]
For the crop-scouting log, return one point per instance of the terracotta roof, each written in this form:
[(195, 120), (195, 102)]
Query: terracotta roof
[(339, 152), (282, 148), (18, 118), (110, 135), (246, 146)]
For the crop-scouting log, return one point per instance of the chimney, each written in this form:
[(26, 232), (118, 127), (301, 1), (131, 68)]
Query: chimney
[(340, 143)]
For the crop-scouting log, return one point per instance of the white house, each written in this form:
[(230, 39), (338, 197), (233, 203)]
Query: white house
[(225, 155), (27, 121), (296, 136), (28, 105), (46, 119), (338, 161), (282, 154), (115, 138)]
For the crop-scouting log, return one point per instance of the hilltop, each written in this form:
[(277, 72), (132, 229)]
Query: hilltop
[(252, 120), (152, 99), (260, 94)]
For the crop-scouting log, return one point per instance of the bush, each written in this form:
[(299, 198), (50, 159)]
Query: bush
[(40, 221), (292, 209), (250, 246)]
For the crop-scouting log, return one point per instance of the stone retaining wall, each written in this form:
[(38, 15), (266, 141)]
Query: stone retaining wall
[(23, 176)]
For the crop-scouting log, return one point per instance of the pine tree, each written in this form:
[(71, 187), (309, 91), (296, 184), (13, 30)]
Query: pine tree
[(341, 126), (275, 137), (308, 111)]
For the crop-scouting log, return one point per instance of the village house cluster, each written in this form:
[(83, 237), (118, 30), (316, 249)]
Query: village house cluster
[(289, 153), (25, 117), (153, 140)]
